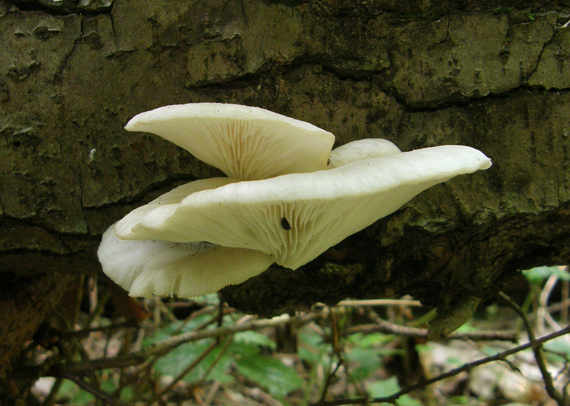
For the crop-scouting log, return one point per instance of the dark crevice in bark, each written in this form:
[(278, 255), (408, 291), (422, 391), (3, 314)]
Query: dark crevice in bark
[(65, 7), (463, 101)]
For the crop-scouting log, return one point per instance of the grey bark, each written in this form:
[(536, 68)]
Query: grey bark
[(489, 75)]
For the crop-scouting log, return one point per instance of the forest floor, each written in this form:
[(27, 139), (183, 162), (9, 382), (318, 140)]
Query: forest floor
[(114, 350)]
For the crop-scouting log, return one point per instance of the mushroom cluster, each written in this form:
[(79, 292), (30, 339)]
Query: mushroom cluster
[(286, 200)]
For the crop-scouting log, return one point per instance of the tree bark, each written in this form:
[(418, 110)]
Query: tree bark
[(491, 75)]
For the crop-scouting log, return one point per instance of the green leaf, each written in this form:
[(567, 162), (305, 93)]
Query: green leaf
[(246, 344), (176, 327), (244, 350), (311, 347), (560, 345), (460, 400), (178, 359), (407, 400), (541, 273), (363, 362), (369, 340), (76, 395), (127, 394), (181, 357), (108, 383), (489, 350), (380, 389), (388, 387), (271, 374), (466, 328), (310, 338), (253, 337)]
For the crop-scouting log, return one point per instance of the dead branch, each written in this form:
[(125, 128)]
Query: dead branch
[(537, 350), (161, 347), (467, 367), (386, 327)]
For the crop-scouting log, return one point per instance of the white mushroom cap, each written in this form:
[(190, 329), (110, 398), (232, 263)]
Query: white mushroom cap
[(361, 149), (172, 269), (244, 142), (294, 218)]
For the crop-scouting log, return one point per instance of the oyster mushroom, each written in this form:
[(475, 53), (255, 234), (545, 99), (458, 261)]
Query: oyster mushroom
[(296, 217), (213, 232)]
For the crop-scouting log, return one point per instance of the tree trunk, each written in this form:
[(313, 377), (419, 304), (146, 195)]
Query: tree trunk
[(491, 75)]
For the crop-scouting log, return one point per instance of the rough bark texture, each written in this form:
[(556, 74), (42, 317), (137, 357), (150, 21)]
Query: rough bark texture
[(491, 75)]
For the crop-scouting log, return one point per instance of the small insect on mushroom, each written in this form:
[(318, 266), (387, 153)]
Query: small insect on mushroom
[(285, 224)]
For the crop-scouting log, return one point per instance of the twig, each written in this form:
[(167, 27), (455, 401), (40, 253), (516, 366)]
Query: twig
[(98, 393), (134, 376), (185, 371), (543, 311), (379, 302), (220, 311), (52, 396), (391, 328), (543, 302), (537, 350), (212, 392), (554, 325), (565, 294), (218, 357), (143, 373), (555, 307), (260, 395), (163, 346), (86, 331), (205, 310), (336, 351), (334, 333), (330, 377), (105, 296), (448, 374)]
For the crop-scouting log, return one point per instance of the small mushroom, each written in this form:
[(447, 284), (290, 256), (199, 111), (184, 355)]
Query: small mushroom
[(281, 204), (244, 142), (361, 149)]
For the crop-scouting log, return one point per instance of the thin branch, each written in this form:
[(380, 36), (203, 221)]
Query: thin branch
[(336, 351), (448, 374), (261, 396), (380, 302), (98, 393), (194, 315), (134, 375), (212, 392), (163, 346), (543, 302), (185, 371), (385, 327), (537, 350), (103, 299), (565, 294), (86, 331), (217, 359), (330, 377), (52, 396)]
